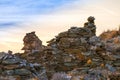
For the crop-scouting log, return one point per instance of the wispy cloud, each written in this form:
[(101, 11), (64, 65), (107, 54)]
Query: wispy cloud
[(22, 9), (8, 24)]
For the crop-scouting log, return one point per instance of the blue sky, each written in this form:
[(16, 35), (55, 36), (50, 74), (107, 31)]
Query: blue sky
[(13, 12), (50, 17)]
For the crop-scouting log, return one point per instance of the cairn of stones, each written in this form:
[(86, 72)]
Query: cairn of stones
[(77, 52)]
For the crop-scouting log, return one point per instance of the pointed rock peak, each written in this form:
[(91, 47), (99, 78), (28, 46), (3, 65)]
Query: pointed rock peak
[(32, 43)]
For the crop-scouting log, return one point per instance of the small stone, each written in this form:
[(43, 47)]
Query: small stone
[(11, 61), (8, 72), (22, 72), (67, 59), (10, 67), (70, 64), (89, 61)]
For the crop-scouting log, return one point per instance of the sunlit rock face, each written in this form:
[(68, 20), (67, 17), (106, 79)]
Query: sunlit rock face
[(32, 43)]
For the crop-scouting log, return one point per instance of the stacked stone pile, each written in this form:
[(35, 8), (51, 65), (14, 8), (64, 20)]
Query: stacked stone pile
[(77, 50), (11, 65), (32, 43)]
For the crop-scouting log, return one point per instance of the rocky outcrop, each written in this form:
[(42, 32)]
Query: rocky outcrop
[(32, 43), (19, 69), (75, 37), (91, 25), (77, 52)]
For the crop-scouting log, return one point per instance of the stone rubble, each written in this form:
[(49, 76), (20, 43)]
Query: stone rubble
[(78, 52), (79, 47), (11, 65)]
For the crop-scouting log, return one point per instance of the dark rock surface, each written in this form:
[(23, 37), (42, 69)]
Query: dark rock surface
[(12, 65)]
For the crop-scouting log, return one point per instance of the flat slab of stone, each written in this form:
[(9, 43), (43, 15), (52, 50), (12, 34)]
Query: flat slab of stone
[(22, 72), (11, 61)]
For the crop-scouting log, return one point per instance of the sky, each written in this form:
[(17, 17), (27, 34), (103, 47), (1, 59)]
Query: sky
[(50, 17)]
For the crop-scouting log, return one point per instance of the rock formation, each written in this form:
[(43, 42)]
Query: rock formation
[(19, 69), (32, 43), (78, 48), (77, 52), (90, 25)]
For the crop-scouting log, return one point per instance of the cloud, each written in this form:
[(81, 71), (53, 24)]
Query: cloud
[(8, 24), (23, 11)]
